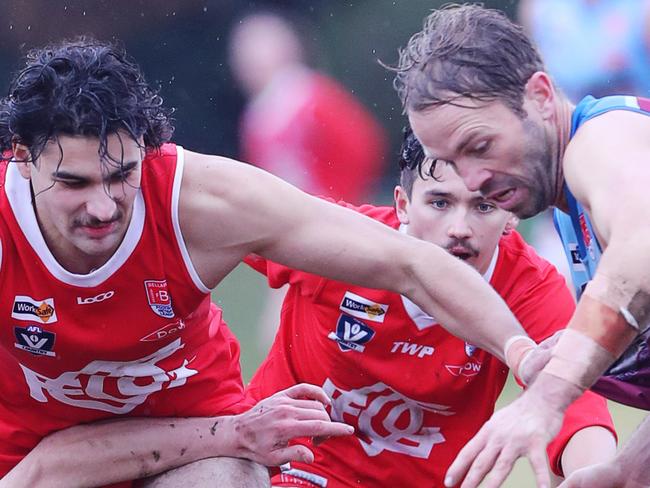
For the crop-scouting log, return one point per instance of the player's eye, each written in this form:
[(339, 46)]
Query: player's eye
[(71, 183), (440, 204), (481, 147), (485, 207)]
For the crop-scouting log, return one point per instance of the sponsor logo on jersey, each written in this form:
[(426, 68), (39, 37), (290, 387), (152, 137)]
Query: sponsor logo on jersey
[(386, 420), (35, 340), (26, 308), (361, 307), (412, 349), (166, 331), (159, 298), (470, 349), (96, 299), (112, 386), (469, 369), (351, 334)]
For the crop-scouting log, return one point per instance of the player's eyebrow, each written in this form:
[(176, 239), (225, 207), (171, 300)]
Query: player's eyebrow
[(440, 194), (61, 174)]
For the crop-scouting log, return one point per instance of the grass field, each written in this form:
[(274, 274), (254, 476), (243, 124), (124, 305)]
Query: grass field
[(240, 296)]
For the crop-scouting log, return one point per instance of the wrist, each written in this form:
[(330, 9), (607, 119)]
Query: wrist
[(553, 392), (228, 429)]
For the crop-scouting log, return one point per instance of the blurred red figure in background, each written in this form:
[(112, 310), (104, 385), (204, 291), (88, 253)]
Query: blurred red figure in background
[(299, 124)]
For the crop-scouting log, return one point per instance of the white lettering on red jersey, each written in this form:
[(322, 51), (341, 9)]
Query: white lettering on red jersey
[(139, 336), (415, 393), (380, 404)]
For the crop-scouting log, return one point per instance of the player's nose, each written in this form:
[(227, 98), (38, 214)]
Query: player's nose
[(101, 205), (474, 177), (459, 227)]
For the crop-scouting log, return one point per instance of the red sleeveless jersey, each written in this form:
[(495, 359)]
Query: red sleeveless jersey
[(414, 393), (137, 337)]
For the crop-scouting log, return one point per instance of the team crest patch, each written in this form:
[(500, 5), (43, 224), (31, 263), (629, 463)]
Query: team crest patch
[(26, 308), (159, 299), (35, 340), (361, 307), (351, 334), (470, 349)]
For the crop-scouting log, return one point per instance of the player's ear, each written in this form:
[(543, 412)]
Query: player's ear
[(23, 159), (511, 225), (401, 204), (540, 94)]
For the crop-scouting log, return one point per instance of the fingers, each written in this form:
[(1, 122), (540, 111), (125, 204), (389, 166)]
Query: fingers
[(480, 467), (539, 463), (318, 428), (305, 390), (502, 468), (297, 452), (464, 459)]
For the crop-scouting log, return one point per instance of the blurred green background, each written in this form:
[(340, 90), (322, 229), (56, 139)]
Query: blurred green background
[(181, 45)]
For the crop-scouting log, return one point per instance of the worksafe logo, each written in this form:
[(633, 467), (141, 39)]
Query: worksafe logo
[(351, 334), (27, 308), (361, 307)]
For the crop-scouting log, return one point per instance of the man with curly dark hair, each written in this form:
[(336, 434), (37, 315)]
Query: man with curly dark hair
[(112, 239)]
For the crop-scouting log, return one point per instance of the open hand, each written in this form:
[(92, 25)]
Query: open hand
[(523, 428)]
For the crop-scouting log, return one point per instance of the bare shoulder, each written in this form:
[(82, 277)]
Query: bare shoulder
[(611, 149), (606, 167), (228, 209)]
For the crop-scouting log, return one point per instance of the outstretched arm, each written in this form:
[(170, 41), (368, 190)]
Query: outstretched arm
[(108, 452), (614, 307), (233, 209)]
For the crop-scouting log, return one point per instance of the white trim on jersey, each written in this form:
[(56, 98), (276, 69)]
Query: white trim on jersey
[(176, 191), (19, 196)]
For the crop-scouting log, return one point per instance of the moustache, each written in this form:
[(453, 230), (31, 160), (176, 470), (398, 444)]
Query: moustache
[(460, 247), (94, 222)]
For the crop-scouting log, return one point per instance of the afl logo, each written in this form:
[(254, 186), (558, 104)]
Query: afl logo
[(96, 299)]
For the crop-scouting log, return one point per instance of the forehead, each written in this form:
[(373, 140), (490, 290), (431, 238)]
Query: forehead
[(443, 128), (445, 180), (82, 150)]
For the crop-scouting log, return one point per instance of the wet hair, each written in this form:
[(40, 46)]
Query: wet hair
[(81, 87), (411, 161), (466, 51)]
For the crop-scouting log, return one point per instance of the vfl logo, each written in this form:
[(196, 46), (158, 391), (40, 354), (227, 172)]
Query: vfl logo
[(351, 334), (35, 340), (163, 332), (360, 307), (96, 299), (26, 308), (469, 369), (112, 386), (404, 424), (159, 299)]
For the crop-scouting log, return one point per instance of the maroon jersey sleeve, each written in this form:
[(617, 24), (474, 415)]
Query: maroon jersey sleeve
[(544, 305)]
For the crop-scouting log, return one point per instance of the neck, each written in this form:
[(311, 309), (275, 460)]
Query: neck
[(563, 114)]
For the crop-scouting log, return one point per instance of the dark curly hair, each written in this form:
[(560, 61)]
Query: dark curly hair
[(81, 87), (411, 161), (466, 51)]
